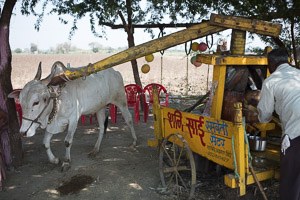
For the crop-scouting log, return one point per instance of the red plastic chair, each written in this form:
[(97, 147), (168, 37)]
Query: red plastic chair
[(148, 89), (133, 93), (90, 118), (112, 113), (18, 108)]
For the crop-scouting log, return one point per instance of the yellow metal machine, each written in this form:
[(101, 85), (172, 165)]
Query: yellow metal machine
[(220, 141)]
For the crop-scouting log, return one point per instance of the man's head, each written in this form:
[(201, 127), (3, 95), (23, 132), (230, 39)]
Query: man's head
[(277, 57)]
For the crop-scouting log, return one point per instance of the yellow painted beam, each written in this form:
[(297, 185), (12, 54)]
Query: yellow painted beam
[(230, 181), (216, 24), (144, 49), (261, 176), (251, 25), (239, 145), (152, 142), (219, 77), (238, 42), (264, 126), (231, 60)]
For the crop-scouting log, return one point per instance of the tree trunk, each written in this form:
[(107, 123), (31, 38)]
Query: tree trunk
[(11, 144), (130, 31), (293, 44), (134, 62)]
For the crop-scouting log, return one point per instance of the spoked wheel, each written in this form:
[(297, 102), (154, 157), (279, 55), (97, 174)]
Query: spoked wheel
[(176, 166)]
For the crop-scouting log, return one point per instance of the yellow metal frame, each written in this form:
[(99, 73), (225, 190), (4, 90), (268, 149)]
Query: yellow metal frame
[(231, 60), (168, 121)]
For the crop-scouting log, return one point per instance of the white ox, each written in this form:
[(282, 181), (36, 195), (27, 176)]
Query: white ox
[(59, 107)]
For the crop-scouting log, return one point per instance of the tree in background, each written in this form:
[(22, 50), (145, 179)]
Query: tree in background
[(33, 48), (10, 141), (63, 48), (18, 50), (95, 46)]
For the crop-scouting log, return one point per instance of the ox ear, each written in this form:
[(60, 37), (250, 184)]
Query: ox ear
[(15, 94), (39, 72), (48, 79)]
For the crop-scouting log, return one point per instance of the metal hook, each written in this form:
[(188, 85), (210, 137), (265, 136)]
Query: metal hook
[(212, 41), (187, 52)]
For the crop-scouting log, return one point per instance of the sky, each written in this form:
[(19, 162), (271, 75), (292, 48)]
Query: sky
[(52, 32)]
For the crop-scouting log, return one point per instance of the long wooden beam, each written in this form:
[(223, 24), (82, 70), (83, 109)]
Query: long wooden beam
[(244, 24), (216, 24), (179, 25), (141, 50)]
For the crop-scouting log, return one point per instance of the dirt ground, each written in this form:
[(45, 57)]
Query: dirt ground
[(117, 172)]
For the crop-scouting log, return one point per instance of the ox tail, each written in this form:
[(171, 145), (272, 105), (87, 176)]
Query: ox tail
[(105, 124)]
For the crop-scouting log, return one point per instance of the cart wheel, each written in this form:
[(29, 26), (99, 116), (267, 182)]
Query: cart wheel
[(176, 173)]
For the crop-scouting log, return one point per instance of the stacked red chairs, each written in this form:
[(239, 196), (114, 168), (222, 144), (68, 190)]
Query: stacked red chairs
[(149, 102), (133, 94), (18, 107)]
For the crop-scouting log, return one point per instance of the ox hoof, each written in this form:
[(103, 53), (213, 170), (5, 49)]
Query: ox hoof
[(93, 153), (54, 161), (133, 146), (65, 166)]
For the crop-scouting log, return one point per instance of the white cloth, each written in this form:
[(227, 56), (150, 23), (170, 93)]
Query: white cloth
[(281, 90), (285, 143)]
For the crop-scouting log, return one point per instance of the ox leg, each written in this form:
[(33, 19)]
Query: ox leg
[(101, 120), (128, 119), (46, 142), (68, 143)]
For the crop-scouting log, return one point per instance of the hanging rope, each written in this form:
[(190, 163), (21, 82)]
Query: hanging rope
[(236, 174), (187, 52), (161, 34), (209, 47)]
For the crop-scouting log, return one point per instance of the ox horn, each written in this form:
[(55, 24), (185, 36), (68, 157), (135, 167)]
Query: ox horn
[(39, 72), (61, 65), (48, 79)]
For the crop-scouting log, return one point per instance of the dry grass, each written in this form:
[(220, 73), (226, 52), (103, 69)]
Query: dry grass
[(174, 70)]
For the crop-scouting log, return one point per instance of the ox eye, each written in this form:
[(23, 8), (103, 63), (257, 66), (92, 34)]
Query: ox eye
[(35, 103)]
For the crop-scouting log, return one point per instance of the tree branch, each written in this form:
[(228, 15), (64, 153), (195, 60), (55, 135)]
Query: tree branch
[(293, 44), (117, 26), (125, 26), (276, 15), (129, 16), (279, 42), (7, 12)]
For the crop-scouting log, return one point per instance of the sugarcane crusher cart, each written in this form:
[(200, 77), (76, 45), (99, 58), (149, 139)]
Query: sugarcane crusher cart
[(180, 134), (220, 141)]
